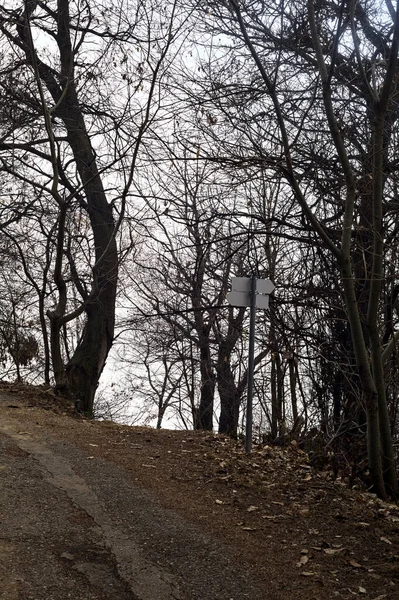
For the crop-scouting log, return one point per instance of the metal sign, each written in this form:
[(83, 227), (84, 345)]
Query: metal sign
[(240, 294), (251, 292), (244, 299), (243, 284)]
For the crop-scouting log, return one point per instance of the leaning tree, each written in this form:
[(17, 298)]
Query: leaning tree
[(79, 89)]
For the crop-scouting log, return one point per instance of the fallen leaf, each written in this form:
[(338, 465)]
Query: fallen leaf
[(302, 561), (307, 573), (332, 551), (308, 477), (354, 564), (386, 540), (362, 590), (252, 508), (218, 501)]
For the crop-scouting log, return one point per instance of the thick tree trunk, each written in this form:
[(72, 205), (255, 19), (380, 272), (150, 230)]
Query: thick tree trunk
[(85, 367), (228, 393), (204, 414)]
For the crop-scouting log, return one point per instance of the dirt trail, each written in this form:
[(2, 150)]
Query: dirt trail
[(97, 511)]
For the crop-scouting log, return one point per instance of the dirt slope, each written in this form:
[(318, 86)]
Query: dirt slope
[(99, 511)]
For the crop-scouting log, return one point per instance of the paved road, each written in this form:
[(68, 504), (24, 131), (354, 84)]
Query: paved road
[(78, 528)]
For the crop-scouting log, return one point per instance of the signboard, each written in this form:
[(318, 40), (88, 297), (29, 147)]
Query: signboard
[(240, 292), (244, 299), (251, 292), (243, 284)]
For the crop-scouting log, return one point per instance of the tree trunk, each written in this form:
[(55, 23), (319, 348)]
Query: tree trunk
[(294, 401), (273, 386), (367, 382), (204, 413), (228, 393), (46, 347), (83, 371), (86, 365), (277, 393)]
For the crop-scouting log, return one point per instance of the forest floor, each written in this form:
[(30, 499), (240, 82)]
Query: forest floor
[(95, 510)]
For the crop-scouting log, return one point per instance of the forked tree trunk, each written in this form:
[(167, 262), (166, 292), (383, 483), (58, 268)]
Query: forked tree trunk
[(230, 391)]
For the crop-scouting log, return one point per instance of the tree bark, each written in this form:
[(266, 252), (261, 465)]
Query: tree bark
[(85, 367), (229, 394), (230, 391), (204, 413)]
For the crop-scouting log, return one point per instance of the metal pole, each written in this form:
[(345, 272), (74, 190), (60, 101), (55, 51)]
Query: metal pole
[(251, 362)]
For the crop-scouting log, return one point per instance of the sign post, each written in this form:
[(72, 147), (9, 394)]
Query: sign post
[(251, 366), (254, 293)]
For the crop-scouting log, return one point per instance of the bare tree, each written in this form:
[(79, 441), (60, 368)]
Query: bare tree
[(75, 137), (324, 91)]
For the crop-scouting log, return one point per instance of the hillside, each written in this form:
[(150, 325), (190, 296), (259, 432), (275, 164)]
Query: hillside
[(97, 510)]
